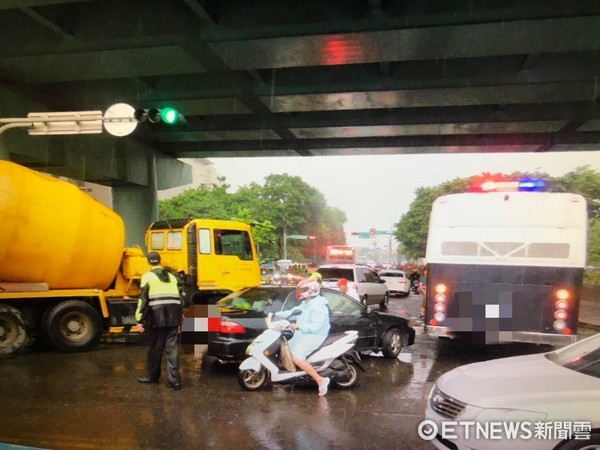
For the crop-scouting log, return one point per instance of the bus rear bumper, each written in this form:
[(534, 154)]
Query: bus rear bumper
[(496, 337)]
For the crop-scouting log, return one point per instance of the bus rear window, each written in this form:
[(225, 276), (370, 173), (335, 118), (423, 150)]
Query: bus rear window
[(506, 249)]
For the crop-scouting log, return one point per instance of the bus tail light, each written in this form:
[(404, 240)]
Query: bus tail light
[(560, 314), (439, 307), (561, 304), (559, 325), (440, 288)]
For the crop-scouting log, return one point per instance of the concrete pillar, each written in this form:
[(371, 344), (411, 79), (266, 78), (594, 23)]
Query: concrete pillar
[(138, 206)]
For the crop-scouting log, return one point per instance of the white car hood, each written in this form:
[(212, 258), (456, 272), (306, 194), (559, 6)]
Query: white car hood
[(530, 382)]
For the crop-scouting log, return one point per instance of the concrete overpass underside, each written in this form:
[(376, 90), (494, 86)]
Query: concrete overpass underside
[(273, 78)]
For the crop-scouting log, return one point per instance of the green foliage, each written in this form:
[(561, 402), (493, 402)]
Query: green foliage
[(411, 230), (284, 204), (594, 242), (583, 181)]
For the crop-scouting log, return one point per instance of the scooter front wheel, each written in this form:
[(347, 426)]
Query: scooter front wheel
[(251, 380), (350, 382)]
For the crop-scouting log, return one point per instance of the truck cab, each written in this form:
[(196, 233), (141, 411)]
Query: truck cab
[(214, 257)]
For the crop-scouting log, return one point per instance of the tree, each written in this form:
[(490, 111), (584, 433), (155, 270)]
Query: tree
[(412, 228), (583, 181), (594, 242), (284, 204), (201, 202)]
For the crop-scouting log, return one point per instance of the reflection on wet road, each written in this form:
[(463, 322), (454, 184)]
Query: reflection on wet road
[(92, 400)]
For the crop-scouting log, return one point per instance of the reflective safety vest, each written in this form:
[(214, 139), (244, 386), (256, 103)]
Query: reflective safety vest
[(163, 299), (161, 292)]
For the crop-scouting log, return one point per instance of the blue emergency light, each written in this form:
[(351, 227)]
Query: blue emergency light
[(532, 185)]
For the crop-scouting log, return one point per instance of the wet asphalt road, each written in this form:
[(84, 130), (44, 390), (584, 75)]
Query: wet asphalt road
[(93, 401)]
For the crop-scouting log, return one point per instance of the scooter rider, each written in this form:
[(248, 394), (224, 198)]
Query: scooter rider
[(311, 328)]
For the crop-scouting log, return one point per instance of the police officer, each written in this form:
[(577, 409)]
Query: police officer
[(159, 313)]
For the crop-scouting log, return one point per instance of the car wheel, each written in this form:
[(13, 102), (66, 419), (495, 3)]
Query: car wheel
[(252, 380), (385, 301), (392, 343), (364, 300), (353, 378), (592, 443)]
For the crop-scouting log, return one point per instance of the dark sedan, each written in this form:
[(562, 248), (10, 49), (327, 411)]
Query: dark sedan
[(243, 318)]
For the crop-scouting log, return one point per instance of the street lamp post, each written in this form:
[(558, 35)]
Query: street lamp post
[(314, 239)]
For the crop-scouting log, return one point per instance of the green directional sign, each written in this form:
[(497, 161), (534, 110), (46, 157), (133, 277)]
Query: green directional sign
[(297, 236), (371, 233)]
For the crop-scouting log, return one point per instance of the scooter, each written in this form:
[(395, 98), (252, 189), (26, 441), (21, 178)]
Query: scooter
[(415, 285), (335, 358)]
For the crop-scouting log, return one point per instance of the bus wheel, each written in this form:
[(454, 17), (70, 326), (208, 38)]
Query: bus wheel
[(73, 325), (13, 331)]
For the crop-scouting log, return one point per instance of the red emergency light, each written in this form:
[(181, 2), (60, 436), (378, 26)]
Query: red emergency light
[(525, 185)]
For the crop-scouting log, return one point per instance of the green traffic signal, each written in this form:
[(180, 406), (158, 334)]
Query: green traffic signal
[(169, 115)]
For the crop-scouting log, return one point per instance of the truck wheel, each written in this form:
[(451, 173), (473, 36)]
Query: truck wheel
[(73, 325), (13, 331)]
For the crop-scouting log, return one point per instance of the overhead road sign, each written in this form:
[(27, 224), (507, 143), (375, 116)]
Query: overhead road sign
[(297, 236)]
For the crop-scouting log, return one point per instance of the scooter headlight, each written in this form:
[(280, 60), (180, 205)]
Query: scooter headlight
[(249, 348)]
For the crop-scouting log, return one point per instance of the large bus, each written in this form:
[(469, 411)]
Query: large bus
[(506, 266), (340, 254)]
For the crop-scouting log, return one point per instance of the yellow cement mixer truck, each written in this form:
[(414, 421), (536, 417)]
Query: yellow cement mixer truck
[(67, 277)]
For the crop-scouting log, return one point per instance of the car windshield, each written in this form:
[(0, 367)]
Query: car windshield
[(335, 273), (391, 274), (255, 299), (582, 356)]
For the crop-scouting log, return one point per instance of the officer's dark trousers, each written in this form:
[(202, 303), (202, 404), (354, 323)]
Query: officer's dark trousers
[(163, 339)]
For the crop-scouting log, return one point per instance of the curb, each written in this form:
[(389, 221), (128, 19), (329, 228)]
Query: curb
[(589, 326)]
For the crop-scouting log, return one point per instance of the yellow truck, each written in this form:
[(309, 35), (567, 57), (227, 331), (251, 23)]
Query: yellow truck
[(66, 275)]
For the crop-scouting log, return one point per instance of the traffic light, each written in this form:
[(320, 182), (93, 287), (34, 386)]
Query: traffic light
[(169, 116)]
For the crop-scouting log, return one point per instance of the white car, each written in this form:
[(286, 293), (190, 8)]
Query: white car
[(541, 401), (371, 288), (397, 281)]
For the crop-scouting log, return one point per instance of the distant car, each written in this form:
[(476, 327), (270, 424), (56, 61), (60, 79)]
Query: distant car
[(371, 289), (556, 389), (397, 281), (243, 318)]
